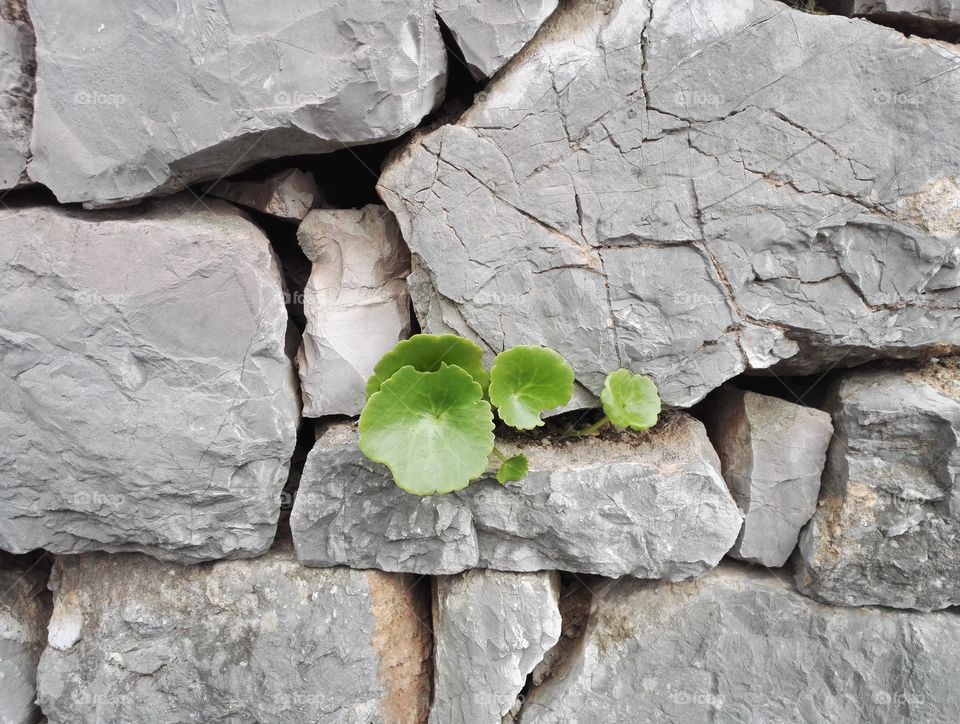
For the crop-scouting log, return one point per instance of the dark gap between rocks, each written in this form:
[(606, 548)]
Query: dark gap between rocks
[(904, 23), (462, 89), (306, 435)]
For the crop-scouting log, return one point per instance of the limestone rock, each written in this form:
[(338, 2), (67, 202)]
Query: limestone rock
[(135, 100), (288, 195), (147, 401), (650, 506), (356, 304), (886, 530), (24, 612), (264, 640), (490, 32), (490, 630), (772, 454), (675, 188), (741, 645), (16, 93)]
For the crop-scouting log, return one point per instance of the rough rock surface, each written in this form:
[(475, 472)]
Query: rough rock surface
[(137, 99), (490, 630), (147, 401), (490, 32), (24, 612), (772, 454), (888, 523), (288, 195), (691, 189), (652, 507), (265, 640), (741, 645), (356, 304), (16, 93)]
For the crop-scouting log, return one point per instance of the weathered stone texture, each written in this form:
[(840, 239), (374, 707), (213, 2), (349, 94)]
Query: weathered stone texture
[(740, 645), (650, 506), (694, 189), (887, 527), (135, 99), (16, 93), (24, 612), (490, 32), (772, 454), (147, 401), (265, 640), (490, 629), (288, 195), (356, 304)]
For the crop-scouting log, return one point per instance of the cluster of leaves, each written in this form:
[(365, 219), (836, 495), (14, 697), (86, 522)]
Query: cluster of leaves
[(429, 414)]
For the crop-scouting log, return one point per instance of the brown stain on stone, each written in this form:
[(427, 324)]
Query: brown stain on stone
[(855, 509), (14, 11), (404, 643)]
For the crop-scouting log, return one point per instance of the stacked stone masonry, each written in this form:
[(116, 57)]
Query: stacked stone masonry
[(754, 202)]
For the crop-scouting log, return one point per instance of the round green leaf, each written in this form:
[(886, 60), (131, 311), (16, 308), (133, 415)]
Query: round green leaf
[(512, 470), (630, 400), (425, 353), (525, 381), (433, 430)]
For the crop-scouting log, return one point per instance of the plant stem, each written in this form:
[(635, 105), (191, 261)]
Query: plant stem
[(500, 456), (589, 429)]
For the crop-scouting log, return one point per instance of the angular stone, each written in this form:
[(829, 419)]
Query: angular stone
[(650, 506), (917, 15), (288, 195), (356, 304), (675, 189), (264, 640), (886, 529), (490, 32), (16, 92), (148, 404), (135, 101), (24, 613), (490, 630), (772, 454), (741, 645)]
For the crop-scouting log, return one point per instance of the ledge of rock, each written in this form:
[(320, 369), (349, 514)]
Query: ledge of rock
[(267, 640), (923, 17), (888, 522), (772, 454), (490, 629), (650, 506), (356, 304), (288, 195), (676, 182), (147, 401), (136, 100), (24, 613), (741, 645)]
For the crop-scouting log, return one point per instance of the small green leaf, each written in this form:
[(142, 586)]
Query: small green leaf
[(433, 430), (512, 470), (630, 400), (425, 353), (525, 381)]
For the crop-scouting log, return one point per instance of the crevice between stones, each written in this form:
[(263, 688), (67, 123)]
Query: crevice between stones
[(906, 23)]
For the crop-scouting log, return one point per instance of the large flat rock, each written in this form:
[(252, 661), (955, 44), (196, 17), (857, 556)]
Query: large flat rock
[(740, 645), (652, 506), (692, 189), (16, 92), (148, 404), (887, 527), (24, 613), (490, 630), (134, 99), (266, 640)]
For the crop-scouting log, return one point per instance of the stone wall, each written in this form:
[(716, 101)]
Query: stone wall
[(216, 218)]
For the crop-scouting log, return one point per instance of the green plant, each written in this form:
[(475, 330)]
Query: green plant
[(429, 415)]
